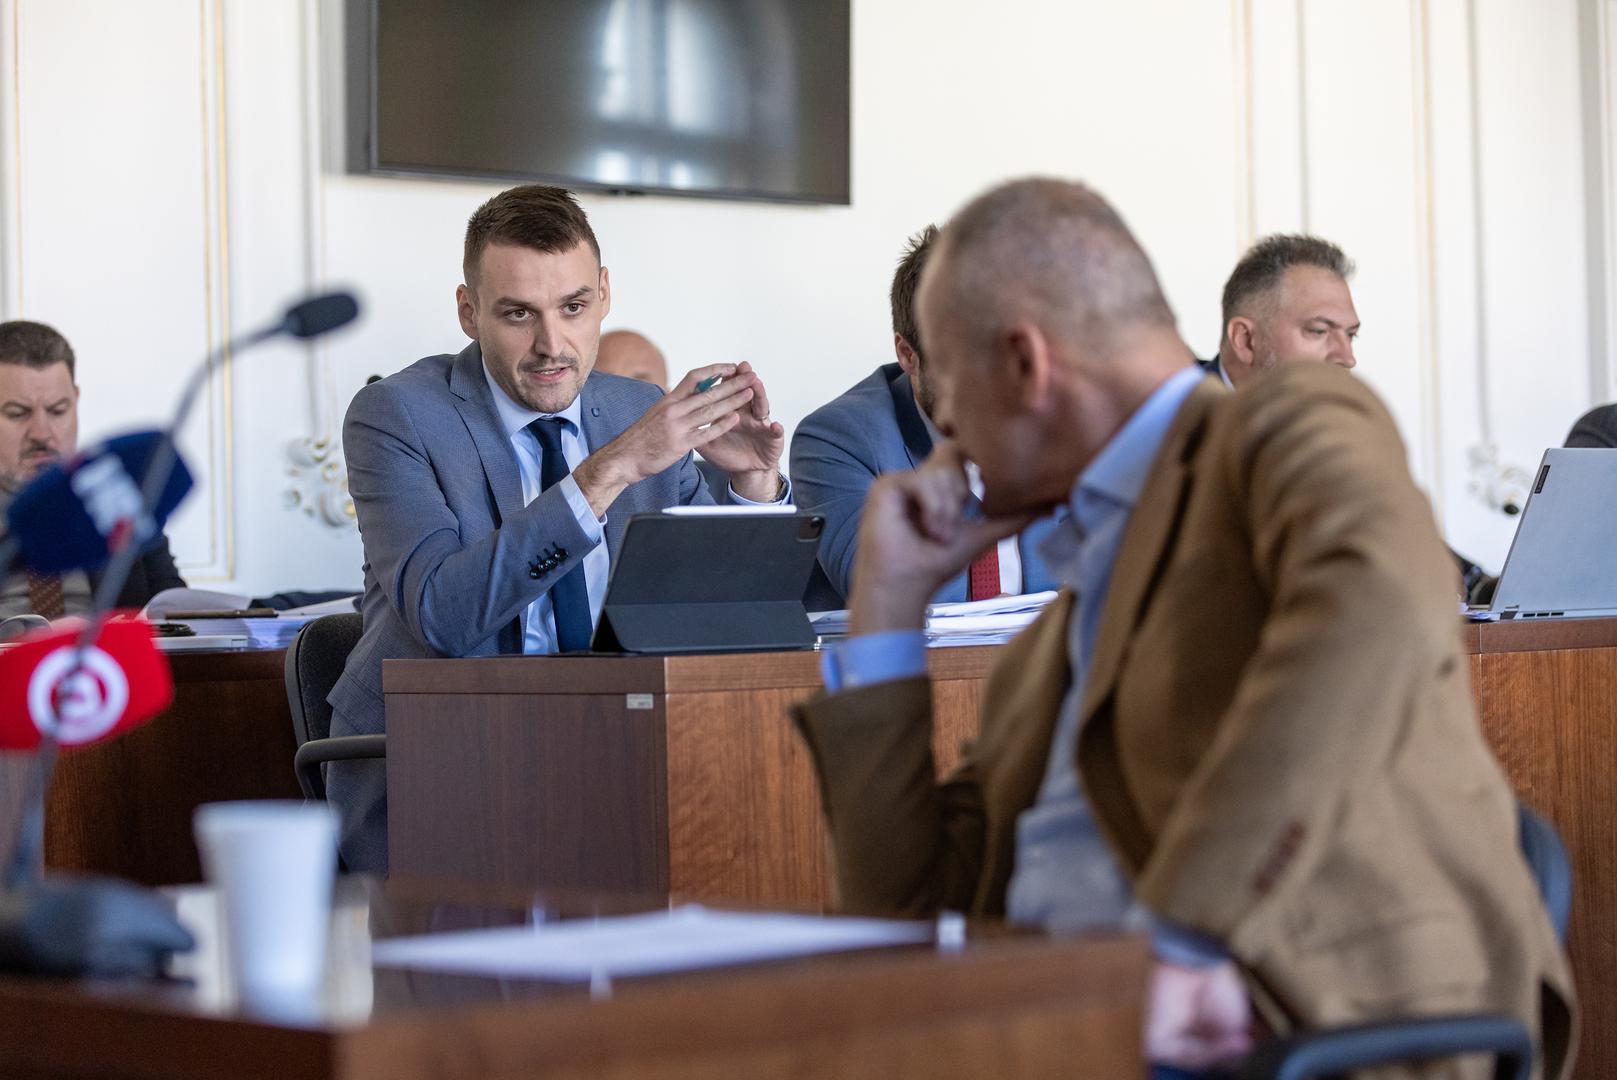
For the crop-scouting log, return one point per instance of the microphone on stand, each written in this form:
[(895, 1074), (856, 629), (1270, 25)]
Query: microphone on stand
[(103, 508), (73, 514)]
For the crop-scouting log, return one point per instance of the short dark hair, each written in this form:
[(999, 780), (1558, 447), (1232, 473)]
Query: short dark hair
[(535, 216), (34, 345), (906, 279), (1267, 261)]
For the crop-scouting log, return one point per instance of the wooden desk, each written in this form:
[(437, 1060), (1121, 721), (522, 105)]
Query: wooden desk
[(1547, 696), (124, 807), (1000, 1008), (623, 773)]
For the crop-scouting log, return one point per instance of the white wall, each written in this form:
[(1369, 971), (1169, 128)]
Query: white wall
[(166, 179)]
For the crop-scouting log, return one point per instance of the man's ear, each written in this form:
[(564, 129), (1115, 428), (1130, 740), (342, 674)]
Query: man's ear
[(466, 309), (606, 293), (1239, 335), (1023, 366), (908, 358)]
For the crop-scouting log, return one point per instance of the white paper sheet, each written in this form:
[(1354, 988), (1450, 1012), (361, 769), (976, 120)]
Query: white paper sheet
[(683, 939), (972, 622), (731, 510)]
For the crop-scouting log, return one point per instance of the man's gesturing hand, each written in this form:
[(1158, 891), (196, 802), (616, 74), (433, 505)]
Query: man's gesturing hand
[(915, 536), (750, 451), (680, 421)]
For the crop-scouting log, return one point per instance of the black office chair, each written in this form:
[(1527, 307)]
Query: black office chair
[(314, 662), (1340, 1051)]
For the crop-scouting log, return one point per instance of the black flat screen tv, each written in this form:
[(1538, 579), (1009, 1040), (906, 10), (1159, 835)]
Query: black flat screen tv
[(723, 98)]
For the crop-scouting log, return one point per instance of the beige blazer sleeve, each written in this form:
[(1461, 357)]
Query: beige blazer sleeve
[(901, 843)]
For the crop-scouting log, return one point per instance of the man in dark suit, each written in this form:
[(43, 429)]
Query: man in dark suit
[(493, 486), (39, 425), (1286, 300), (1595, 429), (880, 425)]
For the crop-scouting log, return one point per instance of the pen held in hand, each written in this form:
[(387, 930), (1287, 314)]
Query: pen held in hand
[(708, 383)]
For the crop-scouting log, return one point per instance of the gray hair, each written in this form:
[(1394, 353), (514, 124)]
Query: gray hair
[(1265, 263), (1057, 251)]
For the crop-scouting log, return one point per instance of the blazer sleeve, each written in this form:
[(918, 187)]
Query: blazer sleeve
[(1361, 618), (830, 478), (450, 594), (902, 843), (161, 573), (154, 572), (693, 484)]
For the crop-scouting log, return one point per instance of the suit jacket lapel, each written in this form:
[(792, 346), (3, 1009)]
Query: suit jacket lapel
[(1146, 545), (917, 441), (476, 407)]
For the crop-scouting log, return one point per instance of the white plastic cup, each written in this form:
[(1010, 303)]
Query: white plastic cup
[(272, 865)]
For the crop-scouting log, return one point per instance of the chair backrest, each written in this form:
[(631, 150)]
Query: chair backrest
[(314, 663), (1546, 856)]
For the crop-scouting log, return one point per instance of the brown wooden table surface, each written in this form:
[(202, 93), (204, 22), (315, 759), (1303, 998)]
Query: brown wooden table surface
[(124, 807), (1000, 1007)]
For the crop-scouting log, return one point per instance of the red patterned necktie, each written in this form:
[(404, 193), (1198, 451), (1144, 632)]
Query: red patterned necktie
[(984, 577), (45, 595)]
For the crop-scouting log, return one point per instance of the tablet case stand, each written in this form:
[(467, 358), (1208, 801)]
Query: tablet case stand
[(721, 583)]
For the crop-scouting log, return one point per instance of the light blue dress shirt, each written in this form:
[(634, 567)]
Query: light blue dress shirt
[(539, 621), (1065, 877)]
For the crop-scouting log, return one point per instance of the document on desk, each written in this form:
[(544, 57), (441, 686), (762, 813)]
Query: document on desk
[(972, 622), (685, 938)]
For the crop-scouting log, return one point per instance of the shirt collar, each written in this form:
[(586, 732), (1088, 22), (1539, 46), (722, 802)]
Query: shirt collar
[(515, 418), (1119, 471)]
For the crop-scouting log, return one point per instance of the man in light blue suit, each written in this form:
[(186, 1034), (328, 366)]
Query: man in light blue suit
[(882, 425), (493, 487)]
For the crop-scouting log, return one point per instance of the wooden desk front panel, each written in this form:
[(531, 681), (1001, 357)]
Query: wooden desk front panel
[(1551, 718), (124, 807), (744, 817), (517, 789), (534, 772)]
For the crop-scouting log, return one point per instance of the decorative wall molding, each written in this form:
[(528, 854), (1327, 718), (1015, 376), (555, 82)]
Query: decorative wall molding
[(1425, 249), (58, 82), (319, 475), (1598, 33)]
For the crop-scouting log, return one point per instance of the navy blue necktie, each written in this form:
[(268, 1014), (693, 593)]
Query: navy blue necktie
[(569, 597)]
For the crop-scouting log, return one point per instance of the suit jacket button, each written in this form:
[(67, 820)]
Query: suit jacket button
[(533, 570), (561, 554)]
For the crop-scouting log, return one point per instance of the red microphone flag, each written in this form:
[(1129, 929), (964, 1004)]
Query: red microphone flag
[(124, 682)]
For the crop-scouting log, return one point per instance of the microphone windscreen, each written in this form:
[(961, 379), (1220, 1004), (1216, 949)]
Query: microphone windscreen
[(68, 517), (124, 682), (321, 314)]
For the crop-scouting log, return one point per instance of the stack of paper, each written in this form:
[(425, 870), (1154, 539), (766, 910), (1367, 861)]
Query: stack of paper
[(682, 939), (974, 622), (275, 632)]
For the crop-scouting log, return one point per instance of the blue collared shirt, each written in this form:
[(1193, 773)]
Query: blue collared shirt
[(539, 621), (1065, 877)]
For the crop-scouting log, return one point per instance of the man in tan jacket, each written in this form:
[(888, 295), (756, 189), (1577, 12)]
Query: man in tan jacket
[(1246, 724)]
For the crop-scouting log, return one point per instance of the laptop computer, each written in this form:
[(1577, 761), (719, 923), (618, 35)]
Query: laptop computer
[(1563, 561)]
